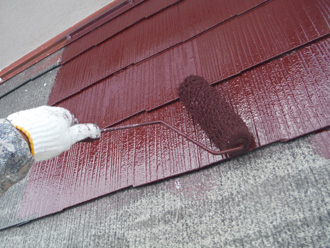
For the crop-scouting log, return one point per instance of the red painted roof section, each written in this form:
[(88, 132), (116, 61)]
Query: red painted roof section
[(221, 52), (269, 60), (136, 44), (116, 25)]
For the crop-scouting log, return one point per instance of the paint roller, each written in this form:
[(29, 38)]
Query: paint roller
[(215, 116), (223, 126)]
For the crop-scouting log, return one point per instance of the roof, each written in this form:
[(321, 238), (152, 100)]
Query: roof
[(268, 61)]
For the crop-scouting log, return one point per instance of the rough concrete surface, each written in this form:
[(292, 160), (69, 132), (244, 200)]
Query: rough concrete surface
[(277, 196)]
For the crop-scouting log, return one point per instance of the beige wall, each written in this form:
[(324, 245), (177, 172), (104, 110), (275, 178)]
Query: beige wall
[(27, 24)]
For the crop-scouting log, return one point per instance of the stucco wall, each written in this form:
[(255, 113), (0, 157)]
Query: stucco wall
[(25, 25)]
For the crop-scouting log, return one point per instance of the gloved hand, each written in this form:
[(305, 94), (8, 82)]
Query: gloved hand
[(51, 130)]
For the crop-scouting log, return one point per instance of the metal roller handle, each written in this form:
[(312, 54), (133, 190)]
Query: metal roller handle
[(232, 150)]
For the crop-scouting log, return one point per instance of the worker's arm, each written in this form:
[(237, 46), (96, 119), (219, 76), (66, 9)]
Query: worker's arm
[(15, 156), (34, 135)]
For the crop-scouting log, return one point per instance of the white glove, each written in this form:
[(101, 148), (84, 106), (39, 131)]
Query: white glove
[(51, 130)]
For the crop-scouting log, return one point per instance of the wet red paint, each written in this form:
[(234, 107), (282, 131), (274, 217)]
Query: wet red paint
[(135, 90), (279, 100), (115, 25), (116, 98), (216, 54), (118, 8), (168, 28), (199, 19)]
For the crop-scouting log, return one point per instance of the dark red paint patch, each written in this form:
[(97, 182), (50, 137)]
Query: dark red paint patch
[(115, 99), (197, 16), (227, 49), (115, 25), (279, 100), (151, 36), (102, 17), (136, 91), (201, 16)]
